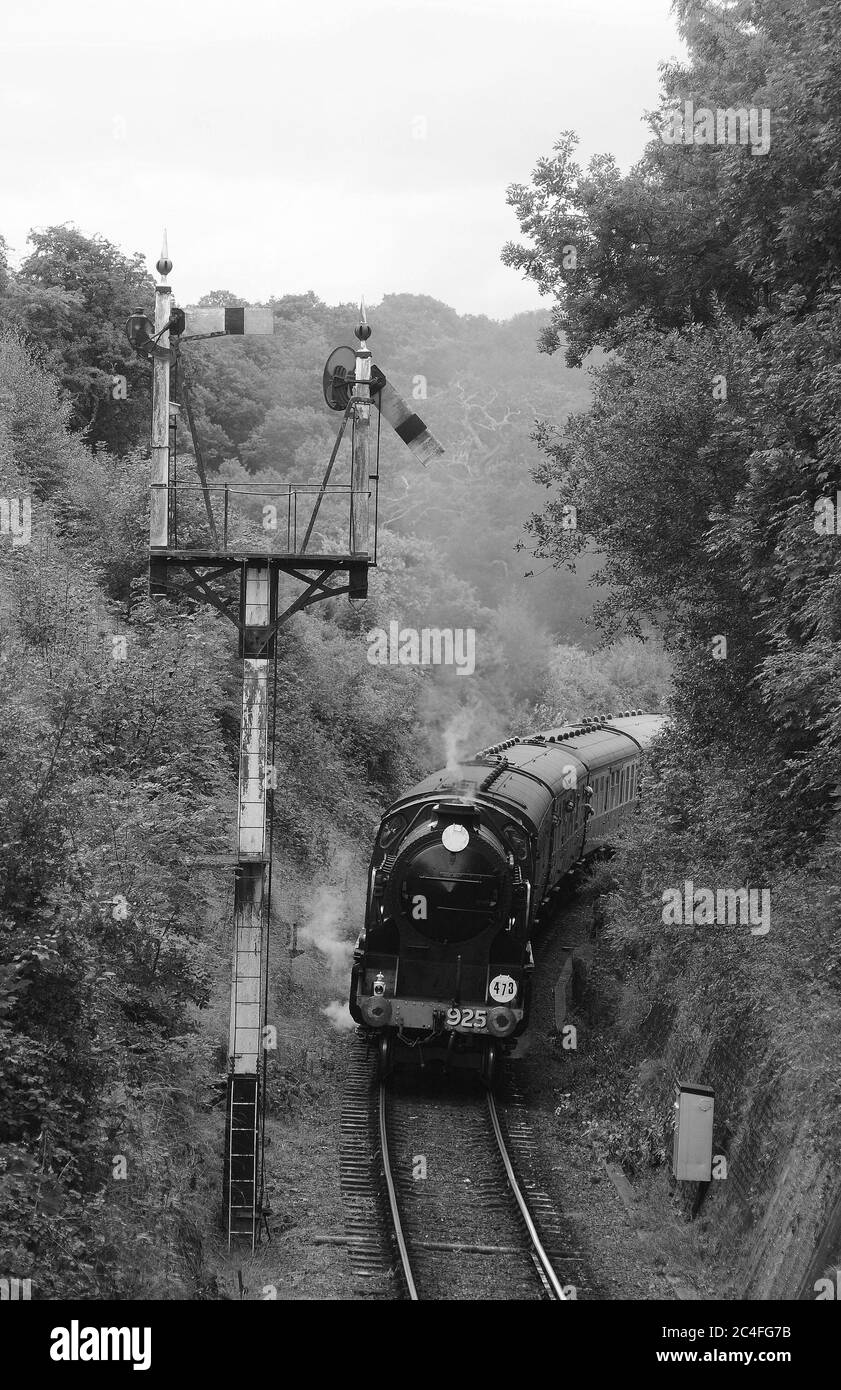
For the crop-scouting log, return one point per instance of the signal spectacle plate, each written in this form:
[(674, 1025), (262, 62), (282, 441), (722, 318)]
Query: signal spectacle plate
[(340, 365)]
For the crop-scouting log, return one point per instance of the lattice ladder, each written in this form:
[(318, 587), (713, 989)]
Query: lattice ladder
[(243, 1138), (242, 1156)]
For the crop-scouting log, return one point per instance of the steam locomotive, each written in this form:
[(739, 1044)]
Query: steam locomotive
[(461, 866)]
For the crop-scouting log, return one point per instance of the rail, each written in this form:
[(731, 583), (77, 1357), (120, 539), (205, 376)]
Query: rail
[(547, 1271), (402, 1249), (543, 1264)]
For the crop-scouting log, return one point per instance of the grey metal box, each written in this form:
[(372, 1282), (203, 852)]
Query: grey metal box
[(693, 1146)]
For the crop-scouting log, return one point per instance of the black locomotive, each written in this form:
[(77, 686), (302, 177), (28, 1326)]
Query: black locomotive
[(461, 865)]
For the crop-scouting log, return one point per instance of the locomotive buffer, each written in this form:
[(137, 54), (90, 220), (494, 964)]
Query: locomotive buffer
[(202, 533)]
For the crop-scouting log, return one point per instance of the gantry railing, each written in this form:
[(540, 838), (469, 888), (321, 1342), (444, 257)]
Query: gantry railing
[(275, 518)]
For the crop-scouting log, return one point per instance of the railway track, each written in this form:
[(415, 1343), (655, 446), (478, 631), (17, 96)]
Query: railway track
[(438, 1201)]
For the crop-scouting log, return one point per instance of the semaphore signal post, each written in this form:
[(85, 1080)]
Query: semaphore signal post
[(223, 558)]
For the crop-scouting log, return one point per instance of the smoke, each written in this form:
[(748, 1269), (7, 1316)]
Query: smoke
[(325, 927), (338, 1014), (333, 916), (461, 735)]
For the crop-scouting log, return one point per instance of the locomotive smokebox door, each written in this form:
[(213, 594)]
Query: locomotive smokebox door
[(693, 1146)]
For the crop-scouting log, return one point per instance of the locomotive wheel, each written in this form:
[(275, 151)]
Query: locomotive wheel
[(384, 1058), (489, 1067)]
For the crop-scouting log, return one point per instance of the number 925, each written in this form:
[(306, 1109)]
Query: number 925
[(467, 1018)]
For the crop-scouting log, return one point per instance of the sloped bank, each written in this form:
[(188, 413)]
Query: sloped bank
[(755, 1018)]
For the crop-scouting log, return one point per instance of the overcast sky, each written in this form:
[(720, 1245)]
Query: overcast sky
[(321, 145)]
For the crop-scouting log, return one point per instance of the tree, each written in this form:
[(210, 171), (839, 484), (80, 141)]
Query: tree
[(711, 437), (694, 225), (71, 297), (222, 299)]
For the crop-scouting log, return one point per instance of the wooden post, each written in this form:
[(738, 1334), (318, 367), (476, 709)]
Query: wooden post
[(361, 441), (159, 506)]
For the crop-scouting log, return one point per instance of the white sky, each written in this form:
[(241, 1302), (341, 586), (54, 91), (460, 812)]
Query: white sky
[(277, 141)]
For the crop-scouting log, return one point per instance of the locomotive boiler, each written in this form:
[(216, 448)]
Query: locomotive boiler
[(461, 866)]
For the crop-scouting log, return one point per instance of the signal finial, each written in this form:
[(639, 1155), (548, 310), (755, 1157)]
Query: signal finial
[(363, 332), (164, 264)]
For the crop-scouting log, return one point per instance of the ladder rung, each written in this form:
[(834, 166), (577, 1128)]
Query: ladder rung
[(243, 1137)]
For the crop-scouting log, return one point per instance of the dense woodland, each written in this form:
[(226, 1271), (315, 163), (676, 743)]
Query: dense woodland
[(706, 264), (695, 521)]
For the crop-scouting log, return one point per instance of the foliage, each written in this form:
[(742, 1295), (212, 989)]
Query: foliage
[(111, 772), (629, 675), (712, 433), (70, 298), (709, 276)]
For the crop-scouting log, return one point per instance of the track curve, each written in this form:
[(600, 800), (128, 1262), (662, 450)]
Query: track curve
[(470, 1194)]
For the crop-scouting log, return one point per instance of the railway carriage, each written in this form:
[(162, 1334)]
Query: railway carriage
[(461, 866)]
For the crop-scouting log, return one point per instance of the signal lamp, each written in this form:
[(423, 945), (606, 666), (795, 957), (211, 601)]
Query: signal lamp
[(139, 330)]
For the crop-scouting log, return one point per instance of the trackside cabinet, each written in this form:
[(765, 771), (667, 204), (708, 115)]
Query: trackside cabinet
[(693, 1146)]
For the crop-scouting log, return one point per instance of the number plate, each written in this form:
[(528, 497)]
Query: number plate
[(476, 1019), (503, 989)]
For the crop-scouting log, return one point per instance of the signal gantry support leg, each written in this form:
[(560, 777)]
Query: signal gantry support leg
[(251, 924)]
